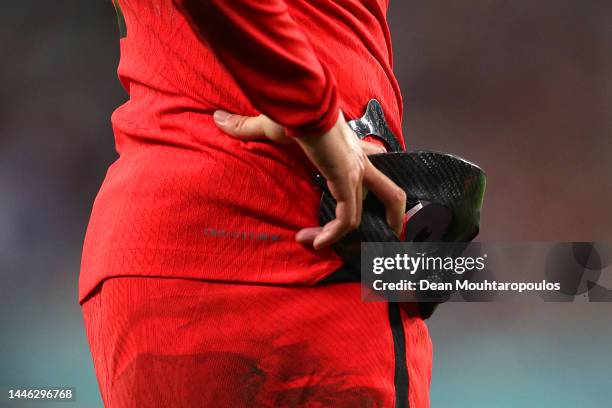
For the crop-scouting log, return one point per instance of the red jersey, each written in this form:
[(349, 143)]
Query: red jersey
[(185, 200)]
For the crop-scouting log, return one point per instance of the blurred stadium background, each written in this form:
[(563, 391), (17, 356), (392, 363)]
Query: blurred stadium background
[(523, 88)]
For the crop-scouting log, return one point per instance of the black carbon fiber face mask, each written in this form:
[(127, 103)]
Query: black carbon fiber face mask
[(444, 194)]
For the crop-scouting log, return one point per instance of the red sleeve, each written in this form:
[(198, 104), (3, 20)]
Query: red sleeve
[(270, 58)]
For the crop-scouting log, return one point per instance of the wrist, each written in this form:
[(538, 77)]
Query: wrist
[(318, 128)]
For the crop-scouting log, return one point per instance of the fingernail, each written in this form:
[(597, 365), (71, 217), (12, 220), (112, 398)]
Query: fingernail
[(299, 235), (317, 242), (221, 116)]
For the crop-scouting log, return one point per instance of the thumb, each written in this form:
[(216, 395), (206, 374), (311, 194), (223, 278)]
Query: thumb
[(239, 126)]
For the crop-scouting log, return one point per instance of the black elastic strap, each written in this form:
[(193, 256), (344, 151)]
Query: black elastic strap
[(399, 348)]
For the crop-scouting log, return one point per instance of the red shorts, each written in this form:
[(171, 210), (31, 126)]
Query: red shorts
[(160, 342)]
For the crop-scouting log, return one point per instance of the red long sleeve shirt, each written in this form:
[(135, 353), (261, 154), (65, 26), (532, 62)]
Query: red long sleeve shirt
[(185, 200)]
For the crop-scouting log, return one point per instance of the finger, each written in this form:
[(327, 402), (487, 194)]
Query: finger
[(372, 148), (334, 230), (358, 204), (239, 126), (392, 197), (307, 236)]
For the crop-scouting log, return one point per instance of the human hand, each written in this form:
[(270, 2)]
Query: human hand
[(342, 159)]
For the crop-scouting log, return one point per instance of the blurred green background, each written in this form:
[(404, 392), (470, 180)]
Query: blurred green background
[(523, 88)]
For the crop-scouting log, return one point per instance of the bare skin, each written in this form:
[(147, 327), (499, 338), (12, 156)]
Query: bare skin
[(342, 159)]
